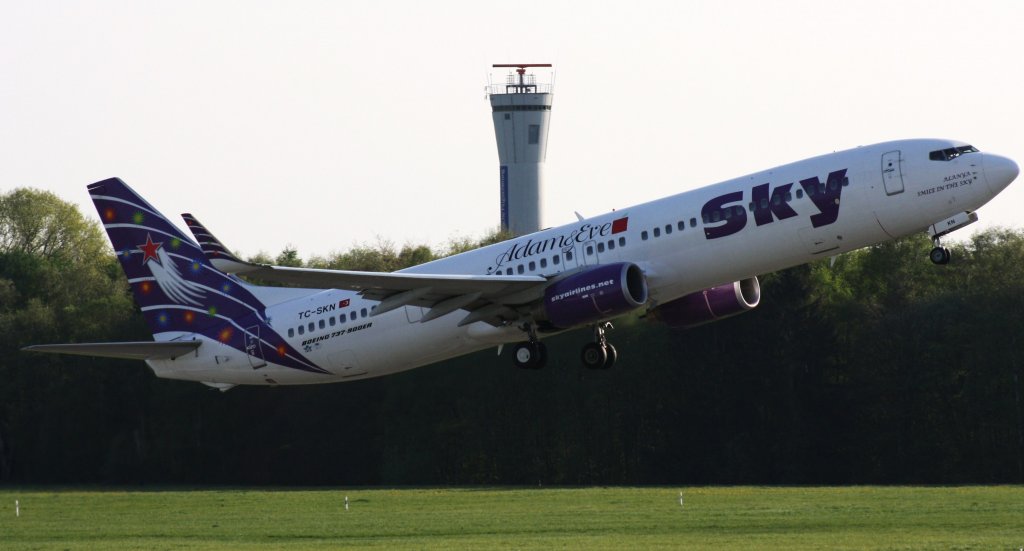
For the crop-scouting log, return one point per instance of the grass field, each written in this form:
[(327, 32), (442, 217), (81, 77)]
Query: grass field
[(485, 518)]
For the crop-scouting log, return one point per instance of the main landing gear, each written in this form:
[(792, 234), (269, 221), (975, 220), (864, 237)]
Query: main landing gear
[(599, 354), (531, 354), (940, 254)]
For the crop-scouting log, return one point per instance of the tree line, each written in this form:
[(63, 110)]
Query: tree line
[(877, 367)]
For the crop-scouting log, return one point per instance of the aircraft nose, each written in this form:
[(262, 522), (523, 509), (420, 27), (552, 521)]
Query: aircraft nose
[(999, 171)]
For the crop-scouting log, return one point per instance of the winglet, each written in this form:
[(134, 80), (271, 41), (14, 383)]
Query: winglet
[(215, 251)]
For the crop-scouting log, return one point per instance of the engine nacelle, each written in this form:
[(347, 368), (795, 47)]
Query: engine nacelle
[(711, 304), (596, 294)]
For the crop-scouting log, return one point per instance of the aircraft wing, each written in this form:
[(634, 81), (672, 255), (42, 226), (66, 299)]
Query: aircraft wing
[(143, 350), (488, 298)]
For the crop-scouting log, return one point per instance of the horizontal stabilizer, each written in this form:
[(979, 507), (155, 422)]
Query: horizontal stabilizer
[(143, 350)]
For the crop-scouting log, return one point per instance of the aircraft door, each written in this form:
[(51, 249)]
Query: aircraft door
[(253, 350), (590, 255), (892, 172)]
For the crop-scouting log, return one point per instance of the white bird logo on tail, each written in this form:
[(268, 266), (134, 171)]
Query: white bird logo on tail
[(165, 272)]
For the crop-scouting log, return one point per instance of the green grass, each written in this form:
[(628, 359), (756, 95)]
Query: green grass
[(587, 518)]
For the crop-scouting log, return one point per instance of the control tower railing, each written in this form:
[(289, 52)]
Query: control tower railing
[(518, 82)]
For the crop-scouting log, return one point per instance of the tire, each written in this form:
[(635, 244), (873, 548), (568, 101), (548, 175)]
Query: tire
[(613, 356), (542, 355), (530, 355), (594, 356), (939, 255)]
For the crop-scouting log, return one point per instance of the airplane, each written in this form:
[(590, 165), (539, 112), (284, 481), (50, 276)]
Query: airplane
[(688, 259)]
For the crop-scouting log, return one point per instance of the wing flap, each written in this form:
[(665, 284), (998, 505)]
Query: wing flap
[(143, 350)]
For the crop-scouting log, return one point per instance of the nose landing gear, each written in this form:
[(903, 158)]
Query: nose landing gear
[(599, 354), (939, 255)]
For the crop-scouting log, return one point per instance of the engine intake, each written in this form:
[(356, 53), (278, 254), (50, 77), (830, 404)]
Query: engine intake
[(711, 304), (596, 294)]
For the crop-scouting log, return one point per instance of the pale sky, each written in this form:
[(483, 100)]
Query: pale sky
[(328, 124)]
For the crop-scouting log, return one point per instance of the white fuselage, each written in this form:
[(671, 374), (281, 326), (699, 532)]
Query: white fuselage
[(885, 195)]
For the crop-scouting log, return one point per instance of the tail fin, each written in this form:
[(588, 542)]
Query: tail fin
[(176, 287)]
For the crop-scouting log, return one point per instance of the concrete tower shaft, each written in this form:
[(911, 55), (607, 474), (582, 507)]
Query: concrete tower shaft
[(521, 110)]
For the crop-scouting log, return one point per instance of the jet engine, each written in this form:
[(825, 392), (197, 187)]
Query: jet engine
[(596, 294), (711, 304)]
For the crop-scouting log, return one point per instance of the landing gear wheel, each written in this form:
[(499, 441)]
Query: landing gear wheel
[(594, 356), (613, 356), (939, 255), (530, 355)]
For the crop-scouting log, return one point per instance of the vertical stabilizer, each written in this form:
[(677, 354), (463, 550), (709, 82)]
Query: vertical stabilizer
[(179, 291)]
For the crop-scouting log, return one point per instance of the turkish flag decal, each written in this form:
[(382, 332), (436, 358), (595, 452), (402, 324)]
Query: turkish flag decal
[(619, 226)]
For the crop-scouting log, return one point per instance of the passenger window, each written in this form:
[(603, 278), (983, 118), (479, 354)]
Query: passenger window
[(611, 245), (799, 194), (568, 255), (555, 260), (716, 216), (764, 202), (362, 312), (622, 241), (681, 225), (291, 331), (311, 327), (657, 232), (508, 271), (520, 269), (643, 235), (590, 250), (789, 196), (846, 181), (533, 265), (693, 222), (752, 206), (600, 247), (352, 315), (543, 263), (331, 321), (323, 324), (777, 200), (728, 214), (668, 229), (302, 330)]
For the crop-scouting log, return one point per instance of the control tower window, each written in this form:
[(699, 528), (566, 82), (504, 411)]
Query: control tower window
[(533, 134)]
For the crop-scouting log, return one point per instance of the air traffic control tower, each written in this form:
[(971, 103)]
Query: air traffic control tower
[(521, 109)]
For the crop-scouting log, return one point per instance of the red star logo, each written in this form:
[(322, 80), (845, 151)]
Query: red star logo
[(149, 249)]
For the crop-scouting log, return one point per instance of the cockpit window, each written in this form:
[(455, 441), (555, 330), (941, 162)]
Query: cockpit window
[(951, 153)]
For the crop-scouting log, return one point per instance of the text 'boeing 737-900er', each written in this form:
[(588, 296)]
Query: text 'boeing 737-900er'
[(687, 259)]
